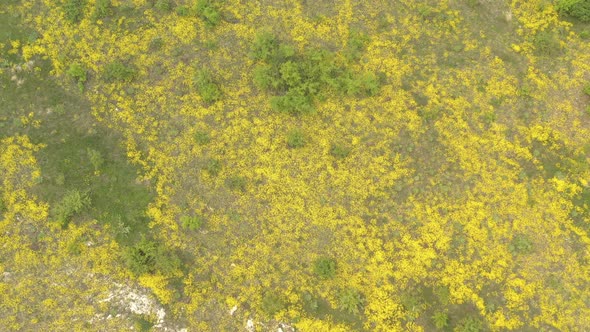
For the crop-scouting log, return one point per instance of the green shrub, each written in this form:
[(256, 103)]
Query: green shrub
[(156, 44), (74, 10), (546, 43), (183, 11), (587, 90), (440, 320), (192, 223), (339, 151), (213, 167), (208, 12), (102, 9), (325, 267), (202, 138), (521, 244), (163, 5), (148, 256), (271, 304), (95, 157), (357, 42), (469, 324), (295, 139), (77, 72), (71, 204), (350, 300), (237, 183), (118, 71), (206, 87), (297, 80), (579, 9)]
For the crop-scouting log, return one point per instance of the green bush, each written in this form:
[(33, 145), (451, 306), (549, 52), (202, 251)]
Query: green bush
[(102, 9), (118, 71), (192, 223), (202, 138), (183, 11), (579, 9), (339, 151), (77, 72), (237, 183), (325, 267), (271, 304), (546, 43), (295, 139), (74, 10), (440, 320), (213, 167), (148, 256), (357, 42), (71, 204), (521, 244), (163, 5), (297, 80), (469, 324), (95, 158), (350, 300), (206, 87), (587, 90), (208, 12)]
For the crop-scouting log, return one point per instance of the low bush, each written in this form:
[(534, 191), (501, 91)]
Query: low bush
[(325, 267), (74, 10), (521, 244), (440, 320), (295, 139), (147, 256), (71, 204), (118, 71), (191, 223), (163, 5), (78, 73), (237, 183), (579, 9), (587, 90), (95, 158), (339, 151), (271, 304), (206, 87), (469, 324), (202, 138), (213, 167), (102, 9), (350, 300), (208, 11)]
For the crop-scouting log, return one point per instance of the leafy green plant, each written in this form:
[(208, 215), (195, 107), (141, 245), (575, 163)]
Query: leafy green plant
[(183, 10), (74, 10), (440, 320), (310, 303), (587, 90), (579, 9), (78, 73), (102, 9), (357, 42), (469, 324), (202, 138), (206, 87), (295, 139), (213, 167), (521, 244), (118, 71), (339, 151), (546, 43), (272, 303), (95, 157), (191, 222), (156, 44), (71, 204), (237, 183), (163, 5), (325, 267), (147, 256), (350, 300), (208, 12)]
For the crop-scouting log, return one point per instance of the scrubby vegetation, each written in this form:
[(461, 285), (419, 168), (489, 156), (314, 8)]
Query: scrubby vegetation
[(314, 166)]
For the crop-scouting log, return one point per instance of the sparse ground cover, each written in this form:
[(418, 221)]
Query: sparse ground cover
[(328, 166)]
